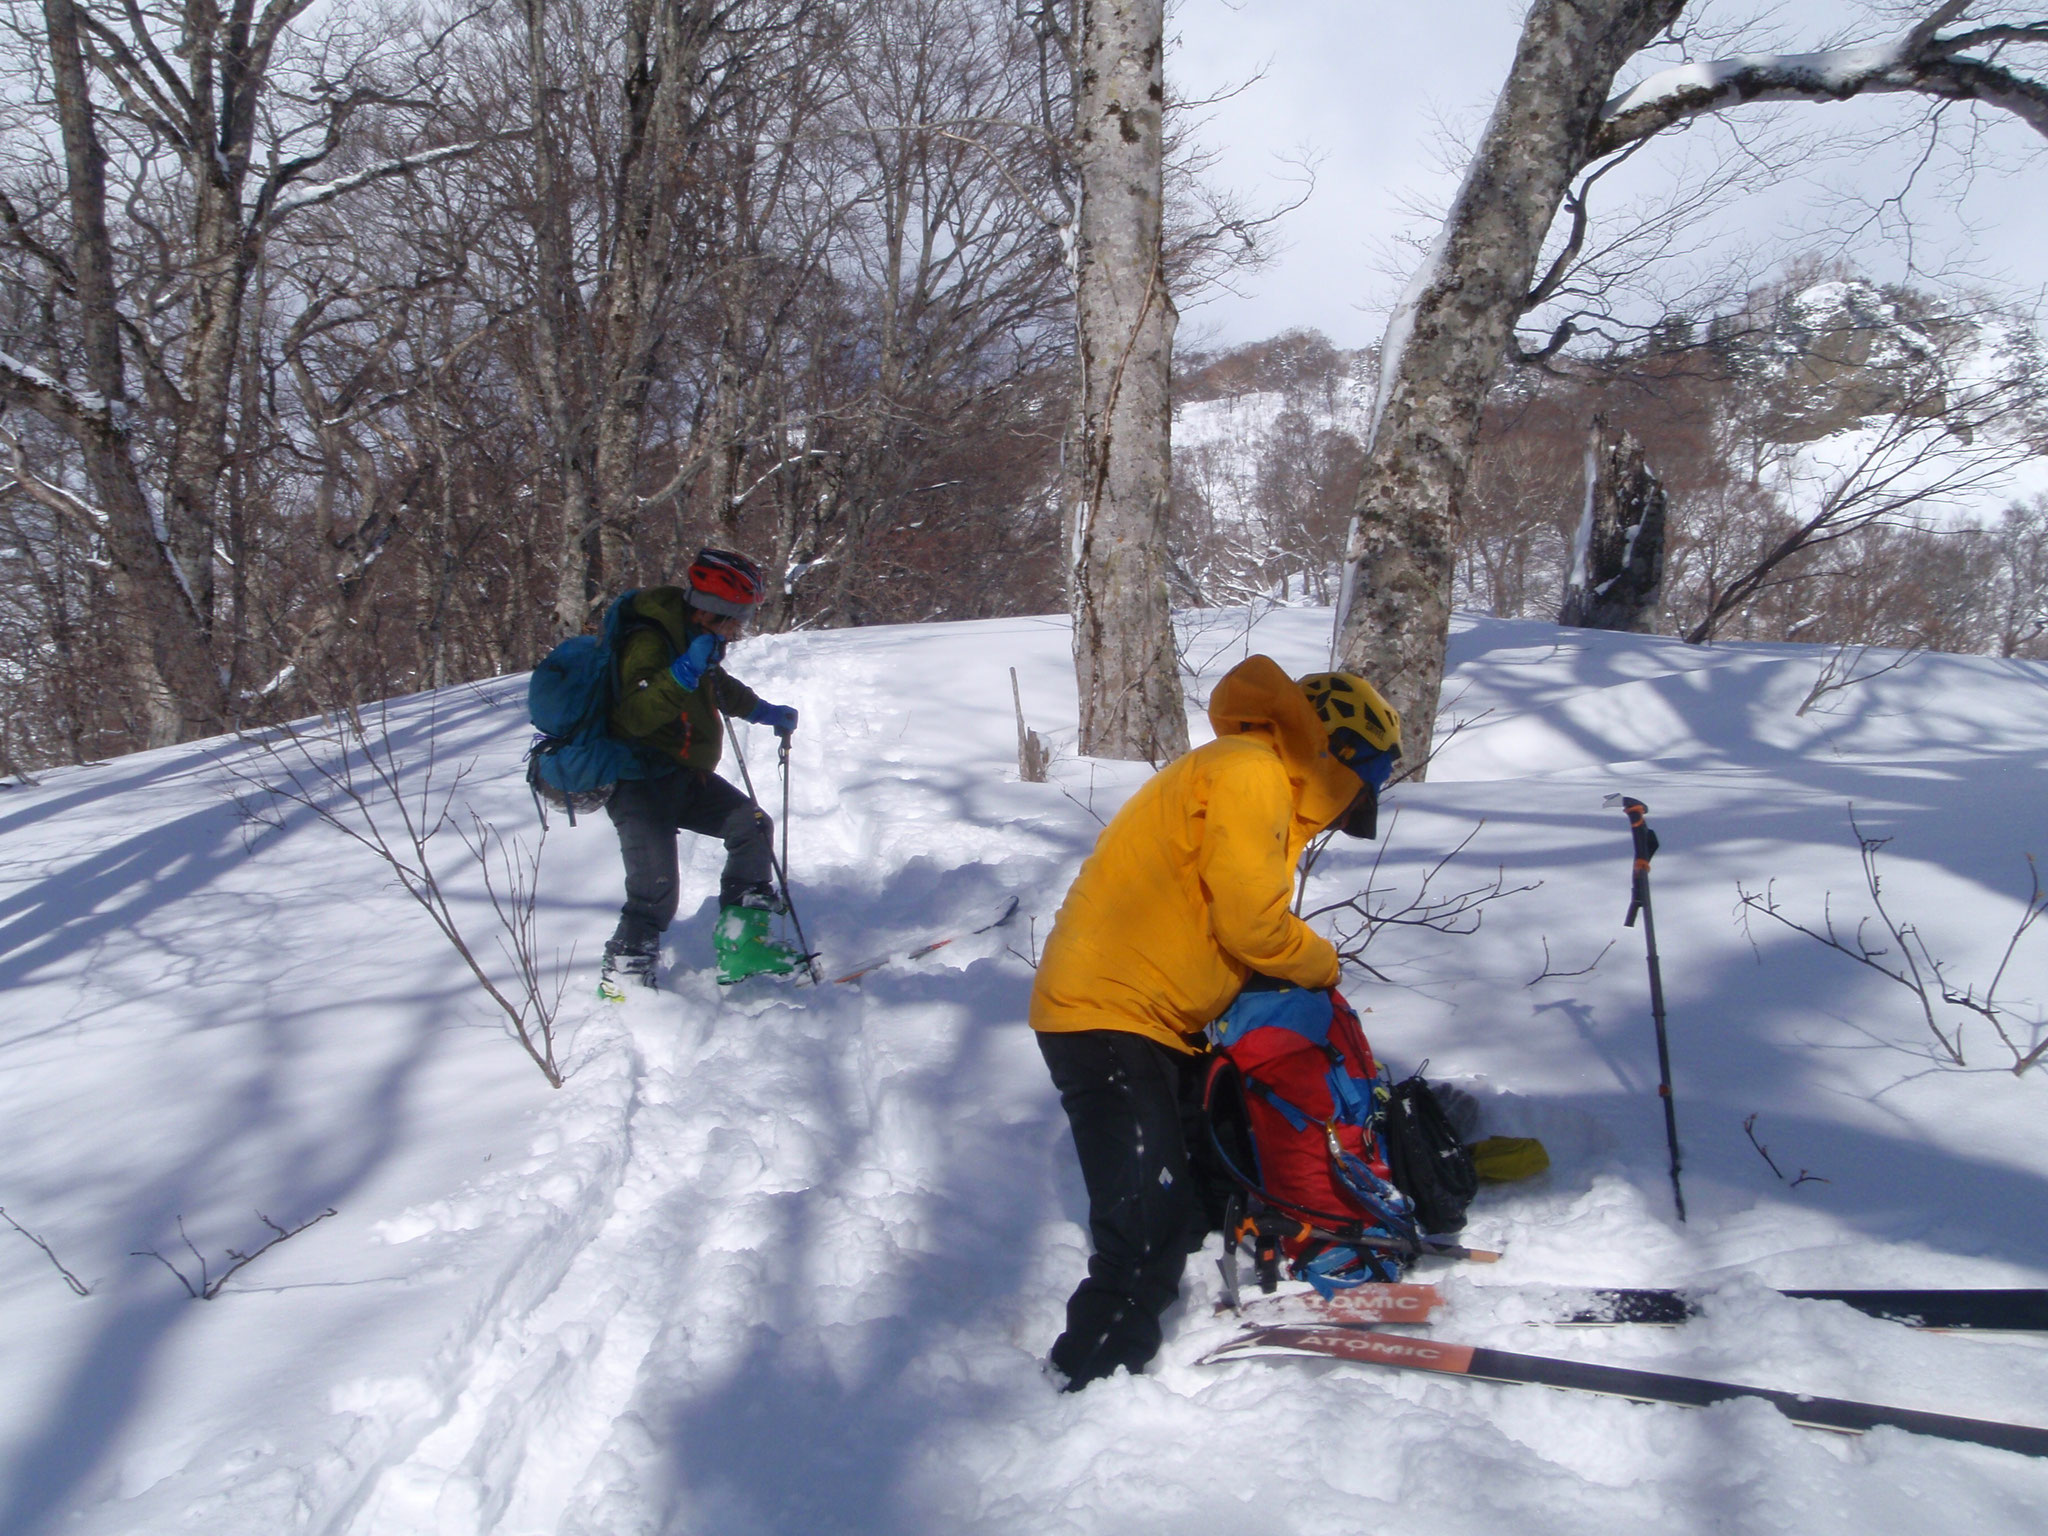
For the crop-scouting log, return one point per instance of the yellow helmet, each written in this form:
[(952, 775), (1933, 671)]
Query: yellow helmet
[(1359, 722), (1365, 736)]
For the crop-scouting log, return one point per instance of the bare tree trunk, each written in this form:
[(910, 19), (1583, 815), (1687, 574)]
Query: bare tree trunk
[(1131, 703), (1450, 336), (665, 43), (561, 325), (167, 653), (598, 358), (223, 261)]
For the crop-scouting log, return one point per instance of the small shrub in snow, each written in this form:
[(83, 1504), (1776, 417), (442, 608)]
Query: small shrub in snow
[(1907, 960)]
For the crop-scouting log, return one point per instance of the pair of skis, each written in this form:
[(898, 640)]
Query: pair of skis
[(1345, 1323)]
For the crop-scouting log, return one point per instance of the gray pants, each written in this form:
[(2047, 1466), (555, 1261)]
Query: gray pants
[(649, 813)]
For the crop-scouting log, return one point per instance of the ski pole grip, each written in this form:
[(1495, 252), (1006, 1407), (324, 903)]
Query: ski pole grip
[(1639, 829), (1645, 849)]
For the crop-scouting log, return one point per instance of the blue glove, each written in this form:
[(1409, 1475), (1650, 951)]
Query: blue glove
[(700, 657), (779, 718)]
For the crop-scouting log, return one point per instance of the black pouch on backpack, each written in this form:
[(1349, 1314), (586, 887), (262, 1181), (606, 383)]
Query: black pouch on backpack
[(1428, 1162)]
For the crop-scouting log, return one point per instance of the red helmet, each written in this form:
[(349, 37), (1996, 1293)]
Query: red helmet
[(724, 583)]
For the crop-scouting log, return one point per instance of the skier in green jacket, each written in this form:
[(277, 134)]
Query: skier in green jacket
[(672, 692)]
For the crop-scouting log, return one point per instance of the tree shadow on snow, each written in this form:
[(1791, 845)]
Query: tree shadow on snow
[(146, 931)]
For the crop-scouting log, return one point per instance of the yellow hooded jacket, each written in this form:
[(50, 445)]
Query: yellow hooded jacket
[(1188, 889)]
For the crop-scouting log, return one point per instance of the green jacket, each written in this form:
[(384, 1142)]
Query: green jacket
[(675, 726)]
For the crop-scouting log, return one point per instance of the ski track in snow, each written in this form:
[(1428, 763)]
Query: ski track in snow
[(785, 1258)]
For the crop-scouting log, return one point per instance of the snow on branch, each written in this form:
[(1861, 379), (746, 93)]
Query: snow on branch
[(46, 493), (51, 396), (328, 191), (1920, 61)]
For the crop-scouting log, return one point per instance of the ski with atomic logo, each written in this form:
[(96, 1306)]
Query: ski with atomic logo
[(1402, 1352), (2016, 1311)]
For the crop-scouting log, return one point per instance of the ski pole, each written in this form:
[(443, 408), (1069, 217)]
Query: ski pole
[(781, 871), (810, 960), (1639, 901), (783, 758)]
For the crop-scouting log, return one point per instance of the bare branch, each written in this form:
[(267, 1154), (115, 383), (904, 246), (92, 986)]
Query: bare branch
[(1375, 909), (1907, 961), (78, 1286), (47, 493), (1548, 973), (207, 1285)]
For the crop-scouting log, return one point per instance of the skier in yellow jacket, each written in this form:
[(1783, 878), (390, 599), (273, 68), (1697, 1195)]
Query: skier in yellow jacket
[(1186, 897)]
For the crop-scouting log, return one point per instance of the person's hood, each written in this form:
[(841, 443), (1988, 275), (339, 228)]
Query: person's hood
[(1255, 695)]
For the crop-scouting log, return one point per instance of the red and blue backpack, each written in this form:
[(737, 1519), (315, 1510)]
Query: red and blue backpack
[(1294, 1103)]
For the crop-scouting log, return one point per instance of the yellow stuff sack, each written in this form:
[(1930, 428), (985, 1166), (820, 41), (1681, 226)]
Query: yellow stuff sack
[(1504, 1159)]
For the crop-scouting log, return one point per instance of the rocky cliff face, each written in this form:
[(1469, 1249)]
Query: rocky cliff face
[(1828, 356)]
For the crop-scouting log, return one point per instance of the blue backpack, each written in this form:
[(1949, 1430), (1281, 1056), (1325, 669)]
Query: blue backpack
[(575, 760)]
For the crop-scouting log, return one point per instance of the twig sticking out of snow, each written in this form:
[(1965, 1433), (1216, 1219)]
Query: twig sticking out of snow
[(208, 1285), (1749, 1130), (351, 778), (78, 1286), (1548, 973), (1841, 672), (1908, 961)]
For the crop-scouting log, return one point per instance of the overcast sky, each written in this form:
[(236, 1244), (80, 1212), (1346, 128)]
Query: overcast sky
[(1368, 85)]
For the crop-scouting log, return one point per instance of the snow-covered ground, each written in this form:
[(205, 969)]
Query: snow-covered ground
[(785, 1259)]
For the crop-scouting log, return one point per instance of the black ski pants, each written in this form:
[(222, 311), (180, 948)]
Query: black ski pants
[(649, 813), (1136, 1111)]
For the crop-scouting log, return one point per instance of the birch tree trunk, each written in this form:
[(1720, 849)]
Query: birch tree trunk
[(561, 328), (1131, 704), (1450, 335)]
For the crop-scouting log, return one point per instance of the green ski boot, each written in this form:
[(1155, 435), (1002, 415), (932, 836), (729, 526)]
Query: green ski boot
[(743, 947)]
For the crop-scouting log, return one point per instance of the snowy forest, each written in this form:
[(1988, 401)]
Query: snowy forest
[(417, 333), (1672, 456), (354, 354)]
